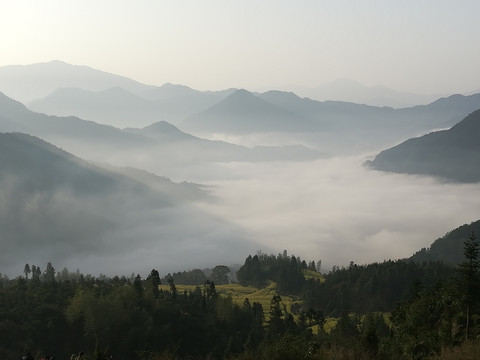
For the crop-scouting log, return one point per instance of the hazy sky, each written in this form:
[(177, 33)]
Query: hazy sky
[(426, 46)]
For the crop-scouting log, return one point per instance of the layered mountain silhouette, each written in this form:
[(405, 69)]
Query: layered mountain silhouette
[(121, 108), (193, 149), (348, 90), (114, 106), (39, 166), (243, 112), (14, 116), (160, 140), (40, 80), (330, 126), (453, 154)]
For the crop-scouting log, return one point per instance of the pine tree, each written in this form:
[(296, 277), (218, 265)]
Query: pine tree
[(468, 273), (26, 270), (49, 274)]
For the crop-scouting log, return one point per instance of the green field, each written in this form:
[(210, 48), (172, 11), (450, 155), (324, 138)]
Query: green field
[(238, 293)]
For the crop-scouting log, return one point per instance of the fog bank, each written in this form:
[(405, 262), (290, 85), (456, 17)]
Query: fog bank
[(338, 211)]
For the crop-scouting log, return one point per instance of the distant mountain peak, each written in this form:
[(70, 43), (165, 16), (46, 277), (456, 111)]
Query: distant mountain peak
[(245, 102), (243, 112), (162, 126), (41, 79)]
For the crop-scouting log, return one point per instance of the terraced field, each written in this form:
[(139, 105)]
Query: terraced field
[(238, 293)]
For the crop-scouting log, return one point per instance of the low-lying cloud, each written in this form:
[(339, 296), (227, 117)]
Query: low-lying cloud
[(333, 210), (338, 211), (114, 234)]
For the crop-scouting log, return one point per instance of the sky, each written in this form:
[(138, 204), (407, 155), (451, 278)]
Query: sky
[(424, 47)]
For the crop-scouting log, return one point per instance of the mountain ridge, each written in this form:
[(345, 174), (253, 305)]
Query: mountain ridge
[(44, 78), (452, 154), (244, 112)]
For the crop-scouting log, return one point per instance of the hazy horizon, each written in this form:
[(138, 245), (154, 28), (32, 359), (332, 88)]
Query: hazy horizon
[(426, 48)]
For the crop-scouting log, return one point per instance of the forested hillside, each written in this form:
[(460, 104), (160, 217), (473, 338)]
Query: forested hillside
[(390, 310), (448, 248)]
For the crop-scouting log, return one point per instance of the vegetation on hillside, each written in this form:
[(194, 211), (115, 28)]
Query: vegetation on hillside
[(389, 310)]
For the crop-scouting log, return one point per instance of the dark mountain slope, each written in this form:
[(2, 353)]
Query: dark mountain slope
[(39, 167), (56, 207), (449, 248), (453, 154)]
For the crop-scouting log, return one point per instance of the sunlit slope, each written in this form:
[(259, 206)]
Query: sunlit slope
[(239, 293)]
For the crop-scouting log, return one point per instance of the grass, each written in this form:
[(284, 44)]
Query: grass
[(263, 296), (238, 293)]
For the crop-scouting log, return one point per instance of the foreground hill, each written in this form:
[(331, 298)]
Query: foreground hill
[(452, 154)]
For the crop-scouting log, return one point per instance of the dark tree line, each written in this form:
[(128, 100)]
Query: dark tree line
[(286, 271), (127, 318), (220, 275), (356, 288), (432, 310)]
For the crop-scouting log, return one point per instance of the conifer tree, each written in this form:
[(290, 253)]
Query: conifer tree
[(469, 281)]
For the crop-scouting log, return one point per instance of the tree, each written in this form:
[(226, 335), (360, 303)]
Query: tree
[(27, 270), (210, 291), (173, 288), (154, 279), (469, 277), (220, 274), (36, 272), (137, 285), (49, 274), (276, 325)]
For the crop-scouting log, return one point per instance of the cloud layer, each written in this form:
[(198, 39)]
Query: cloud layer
[(338, 211), (333, 210)]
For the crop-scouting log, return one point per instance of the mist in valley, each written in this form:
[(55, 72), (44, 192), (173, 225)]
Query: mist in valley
[(332, 209), (193, 194)]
